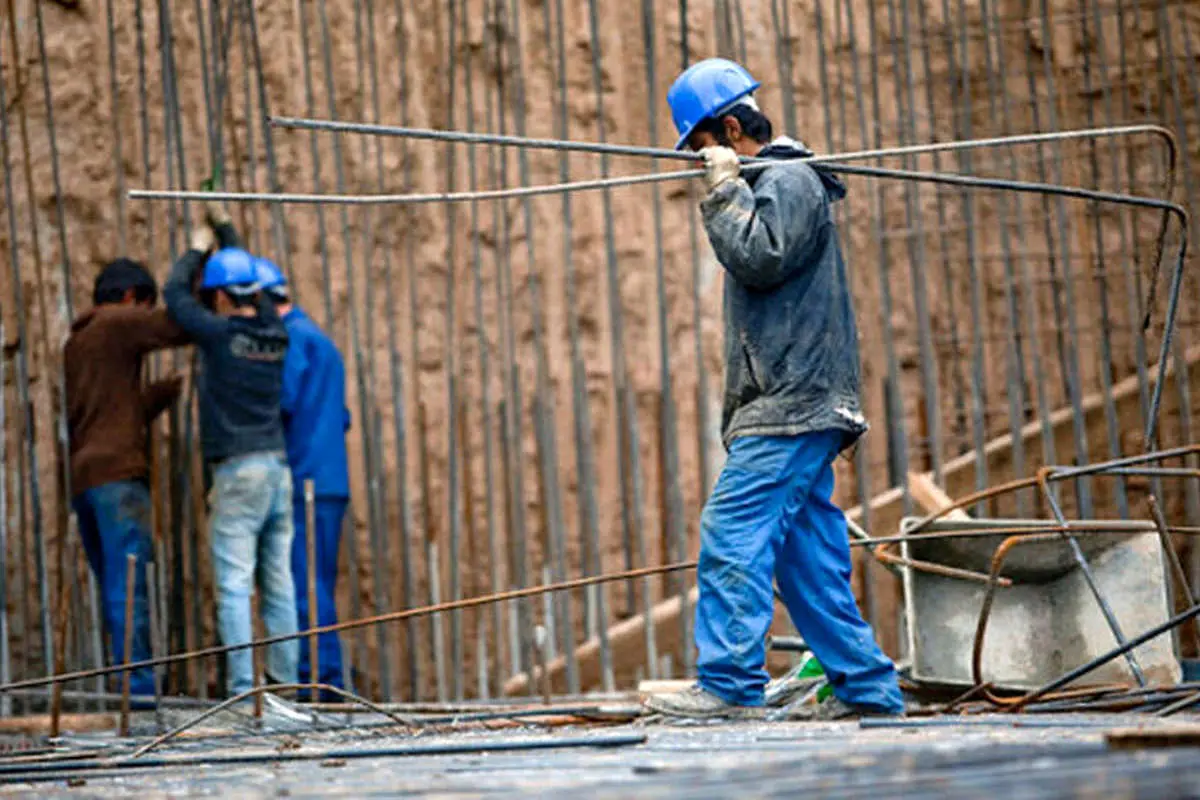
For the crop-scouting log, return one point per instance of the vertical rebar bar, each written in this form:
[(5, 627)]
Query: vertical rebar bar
[(512, 405), (127, 650), (310, 548), (1106, 349), (862, 459), (374, 474), (624, 406), (449, 359), (672, 508), (379, 566), (1071, 361), (412, 640), (1014, 351), (894, 407), (485, 410), (995, 78), (5, 662), (282, 245), (115, 112), (585, 460), (898, 29), (30, 449), (1166, 56), (548, 460), (961, 126)]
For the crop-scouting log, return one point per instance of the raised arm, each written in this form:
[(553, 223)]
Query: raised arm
[(184, 308)]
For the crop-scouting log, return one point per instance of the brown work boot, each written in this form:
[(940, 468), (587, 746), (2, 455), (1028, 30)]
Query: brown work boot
[(696, 702)]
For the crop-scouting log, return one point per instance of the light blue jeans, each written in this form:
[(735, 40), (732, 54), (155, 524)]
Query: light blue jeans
[(251, 524)]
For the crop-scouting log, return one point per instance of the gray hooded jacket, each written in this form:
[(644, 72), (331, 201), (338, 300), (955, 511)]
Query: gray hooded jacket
[(791, 344)]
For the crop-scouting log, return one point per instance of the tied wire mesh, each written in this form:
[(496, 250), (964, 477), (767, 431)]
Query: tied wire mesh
[(535, 383)]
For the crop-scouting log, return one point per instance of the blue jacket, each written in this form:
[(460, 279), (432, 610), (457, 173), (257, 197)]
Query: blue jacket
[(315, 417), (791, 343)]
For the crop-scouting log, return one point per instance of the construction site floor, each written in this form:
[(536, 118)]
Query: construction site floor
[(979, 756)]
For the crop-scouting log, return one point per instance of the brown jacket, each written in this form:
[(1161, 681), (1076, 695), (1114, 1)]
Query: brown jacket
[(108, 408)]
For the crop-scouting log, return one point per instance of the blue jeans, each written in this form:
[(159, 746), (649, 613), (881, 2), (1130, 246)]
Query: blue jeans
[(251, 524), (329, 514), (114, 522), (770, 515)]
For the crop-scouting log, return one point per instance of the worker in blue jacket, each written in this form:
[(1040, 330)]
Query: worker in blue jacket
[(791, 406), (315, 421)]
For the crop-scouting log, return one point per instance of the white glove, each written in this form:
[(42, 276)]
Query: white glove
[(216, 213), (203, 239), (720, 164)]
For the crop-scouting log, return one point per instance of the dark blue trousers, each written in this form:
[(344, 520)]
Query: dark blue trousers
[(114, 521), (329, 514)]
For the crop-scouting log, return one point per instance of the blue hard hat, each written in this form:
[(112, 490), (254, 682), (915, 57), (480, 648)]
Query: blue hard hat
[(231, 269), (269, 275), (705, 89)]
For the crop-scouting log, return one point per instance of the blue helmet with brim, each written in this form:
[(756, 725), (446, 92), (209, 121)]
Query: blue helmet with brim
[(704, 90), (231, 269)]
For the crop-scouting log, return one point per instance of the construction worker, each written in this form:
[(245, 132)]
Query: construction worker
[(315, 421), (108, 414), (242, 344), (791, 405)]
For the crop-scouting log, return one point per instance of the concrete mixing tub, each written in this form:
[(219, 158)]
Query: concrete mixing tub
[(1048, 621)]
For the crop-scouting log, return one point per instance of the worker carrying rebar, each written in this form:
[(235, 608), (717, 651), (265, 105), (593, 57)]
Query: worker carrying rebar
[(109, 411), (315, 421), (791, 406), (242, 344)]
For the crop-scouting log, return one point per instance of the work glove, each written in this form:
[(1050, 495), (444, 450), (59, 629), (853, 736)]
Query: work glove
[(203, 239), (216, 214), (720, 164)]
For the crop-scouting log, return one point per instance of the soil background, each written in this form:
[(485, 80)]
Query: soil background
[(441, 309)]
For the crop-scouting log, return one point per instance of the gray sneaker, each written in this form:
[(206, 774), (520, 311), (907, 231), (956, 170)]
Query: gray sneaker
[(833, 710), (695, 702)]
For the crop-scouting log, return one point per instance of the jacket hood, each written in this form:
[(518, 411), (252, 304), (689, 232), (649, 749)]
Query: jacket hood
[(784, 147)]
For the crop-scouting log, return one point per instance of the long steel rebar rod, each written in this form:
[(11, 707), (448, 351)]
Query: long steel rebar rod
[(605, 148)]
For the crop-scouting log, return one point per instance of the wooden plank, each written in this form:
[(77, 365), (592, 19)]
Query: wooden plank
[(931, 497), (1182, 735)]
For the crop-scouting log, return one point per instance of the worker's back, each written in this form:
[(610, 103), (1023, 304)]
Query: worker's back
[(241, 375), (315, 417), (107, 406), (240, 384)]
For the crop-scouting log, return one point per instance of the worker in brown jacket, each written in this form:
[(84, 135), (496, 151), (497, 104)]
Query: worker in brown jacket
[(108, 414)]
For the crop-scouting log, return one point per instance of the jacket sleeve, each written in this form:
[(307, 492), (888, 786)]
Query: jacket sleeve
[(761, 236), (227, 236), (184, 308), (159, 396), (146, 330)]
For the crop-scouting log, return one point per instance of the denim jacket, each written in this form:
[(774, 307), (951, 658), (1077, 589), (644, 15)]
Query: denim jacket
[(791, 343)]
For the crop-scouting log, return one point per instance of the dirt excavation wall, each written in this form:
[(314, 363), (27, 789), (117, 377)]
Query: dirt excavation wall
[(457, 321)]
